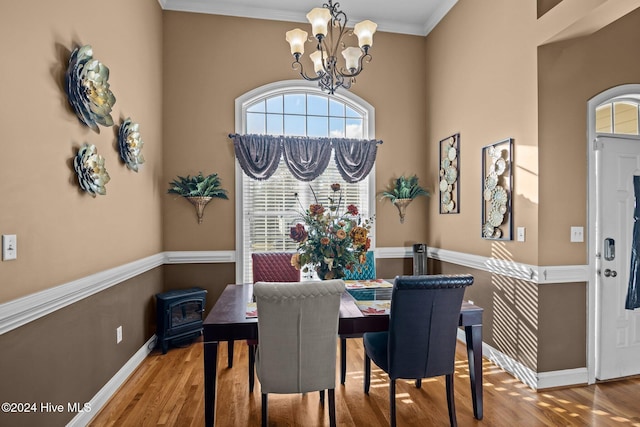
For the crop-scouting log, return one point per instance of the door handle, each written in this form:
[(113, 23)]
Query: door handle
[(610, 273), (609, 249)]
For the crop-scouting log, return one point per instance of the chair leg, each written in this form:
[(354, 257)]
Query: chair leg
[(322, 397), (367, 372), (392, 402), (418, 382), (265, 412), (332, 407), (451, 401), (343, 360), (252, 364), (230, 353)]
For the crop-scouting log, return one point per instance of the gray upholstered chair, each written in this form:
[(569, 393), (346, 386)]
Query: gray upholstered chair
[(297, 335), (269, 267), (421, 340)]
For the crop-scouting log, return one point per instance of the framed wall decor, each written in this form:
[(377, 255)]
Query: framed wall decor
[(450, 175), (497, 185)]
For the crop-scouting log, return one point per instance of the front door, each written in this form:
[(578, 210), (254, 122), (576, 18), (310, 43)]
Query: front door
[(618, 330)]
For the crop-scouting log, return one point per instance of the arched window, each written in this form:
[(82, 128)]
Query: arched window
[(619, 116), (265, 210)]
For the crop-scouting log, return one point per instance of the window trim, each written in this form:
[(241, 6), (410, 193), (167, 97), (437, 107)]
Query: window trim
[(622, 99), (283, 87)]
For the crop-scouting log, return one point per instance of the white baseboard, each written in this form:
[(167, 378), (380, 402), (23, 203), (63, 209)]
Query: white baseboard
[(109, 389), (565, 377), (535, 380)]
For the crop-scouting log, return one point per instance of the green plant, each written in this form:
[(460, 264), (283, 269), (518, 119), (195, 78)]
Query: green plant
[(198, 186), (404, 188)]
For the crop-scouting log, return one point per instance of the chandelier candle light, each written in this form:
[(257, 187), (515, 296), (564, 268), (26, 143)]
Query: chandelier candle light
[(329, 74)]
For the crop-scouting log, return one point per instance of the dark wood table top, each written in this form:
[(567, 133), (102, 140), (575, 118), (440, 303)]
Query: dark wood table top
[(227, 319)]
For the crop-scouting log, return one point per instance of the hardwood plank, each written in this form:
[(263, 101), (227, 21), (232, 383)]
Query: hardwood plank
[(167, 390)]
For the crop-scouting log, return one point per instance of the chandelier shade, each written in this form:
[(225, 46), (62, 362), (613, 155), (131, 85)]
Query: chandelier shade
[(297, 39), (331, 72)]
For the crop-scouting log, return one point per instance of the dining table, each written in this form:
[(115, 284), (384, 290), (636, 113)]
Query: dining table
[(229, 320)]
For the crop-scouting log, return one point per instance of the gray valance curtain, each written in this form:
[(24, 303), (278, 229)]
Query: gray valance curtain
[(306, 157)]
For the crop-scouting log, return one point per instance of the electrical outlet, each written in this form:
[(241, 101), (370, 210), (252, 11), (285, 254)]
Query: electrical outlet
[(118, 334), (577, 234), (521, 234), (9, 247)]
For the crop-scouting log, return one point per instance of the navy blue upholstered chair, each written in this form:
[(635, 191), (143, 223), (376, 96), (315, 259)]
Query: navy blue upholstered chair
[(421, 340)]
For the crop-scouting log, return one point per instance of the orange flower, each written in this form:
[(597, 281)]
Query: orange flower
[(359, 235), (324, 241), (316, 209), (341, 234), (362, 258), (295, 261)]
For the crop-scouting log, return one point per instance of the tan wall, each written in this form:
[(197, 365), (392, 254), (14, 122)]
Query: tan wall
[(570, 73), (546, 5), (209, 62), (481, 82), (63, 233)]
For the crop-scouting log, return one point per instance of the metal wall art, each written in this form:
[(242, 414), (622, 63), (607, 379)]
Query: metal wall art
[(497, 186), (87, 87), (450, 175), (89, 166), (130, 144)]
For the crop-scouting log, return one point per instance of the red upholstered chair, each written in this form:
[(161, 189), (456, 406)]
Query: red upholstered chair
[(274, 267), (269, 267)]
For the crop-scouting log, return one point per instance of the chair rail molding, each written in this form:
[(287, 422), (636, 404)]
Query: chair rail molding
[(516, 270), (18, 312), (21, 311)]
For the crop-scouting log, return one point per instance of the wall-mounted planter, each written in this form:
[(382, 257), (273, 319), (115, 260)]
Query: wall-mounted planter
[(402, 204), (199, 203), (402, 192), (198, 190)]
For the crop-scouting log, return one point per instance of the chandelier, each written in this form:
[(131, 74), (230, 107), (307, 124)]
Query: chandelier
[(328, 25)]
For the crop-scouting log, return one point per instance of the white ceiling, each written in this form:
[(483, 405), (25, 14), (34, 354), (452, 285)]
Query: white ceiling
[(417, 17)]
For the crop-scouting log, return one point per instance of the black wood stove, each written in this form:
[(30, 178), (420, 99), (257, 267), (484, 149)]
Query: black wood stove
[(179, 316)]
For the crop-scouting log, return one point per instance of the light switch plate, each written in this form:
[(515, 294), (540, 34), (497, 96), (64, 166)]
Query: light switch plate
[(577, 234), (520, 234), (9, 247)]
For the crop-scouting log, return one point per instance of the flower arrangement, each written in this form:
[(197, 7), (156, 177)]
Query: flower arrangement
[(328, 241)]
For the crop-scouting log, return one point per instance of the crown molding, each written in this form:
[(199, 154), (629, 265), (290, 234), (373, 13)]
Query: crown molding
[(228, 8)]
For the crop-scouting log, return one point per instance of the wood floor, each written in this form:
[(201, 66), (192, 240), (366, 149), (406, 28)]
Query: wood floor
[(167, 390)]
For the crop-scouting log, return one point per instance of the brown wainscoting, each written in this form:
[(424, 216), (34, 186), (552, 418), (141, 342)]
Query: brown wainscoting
[(67, 356), (543, 327), (213, 277)]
